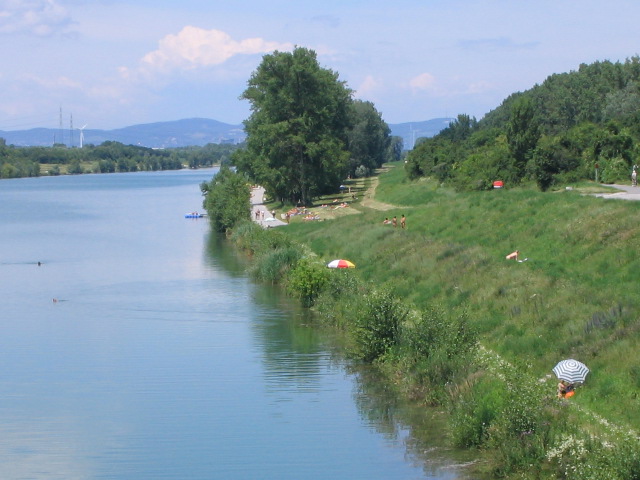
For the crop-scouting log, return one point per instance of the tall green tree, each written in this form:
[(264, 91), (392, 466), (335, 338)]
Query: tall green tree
[(297, 130), (369, 138), (227, 199), (523, 132), (395, 148)]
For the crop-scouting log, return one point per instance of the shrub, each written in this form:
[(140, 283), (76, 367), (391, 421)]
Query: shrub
[(362, 172), (247, 236), (614, 170), (338, 303), (442, 348), (523, 430), (475, 407), (307, 279), (378, 325)]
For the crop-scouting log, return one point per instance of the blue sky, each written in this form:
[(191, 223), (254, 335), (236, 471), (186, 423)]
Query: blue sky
[(114, 63)]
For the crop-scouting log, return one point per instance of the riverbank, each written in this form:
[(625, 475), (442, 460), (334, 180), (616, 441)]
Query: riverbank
[(564, 301)]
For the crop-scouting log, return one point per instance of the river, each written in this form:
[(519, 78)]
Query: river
[(133, 346)]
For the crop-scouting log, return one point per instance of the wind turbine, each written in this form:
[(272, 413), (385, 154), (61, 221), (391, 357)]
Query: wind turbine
[(82, 134)]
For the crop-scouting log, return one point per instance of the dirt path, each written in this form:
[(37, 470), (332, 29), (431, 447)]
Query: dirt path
[(368, 200)]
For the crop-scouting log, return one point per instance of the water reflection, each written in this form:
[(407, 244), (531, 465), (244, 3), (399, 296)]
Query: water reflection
[(299, 358), (292, 353), (219, 256), (422, 429)]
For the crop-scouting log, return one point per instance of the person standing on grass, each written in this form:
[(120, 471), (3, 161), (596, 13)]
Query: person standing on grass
[(394, 222), (403, 221)]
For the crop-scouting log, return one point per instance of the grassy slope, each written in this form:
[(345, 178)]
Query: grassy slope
[(575, 296)]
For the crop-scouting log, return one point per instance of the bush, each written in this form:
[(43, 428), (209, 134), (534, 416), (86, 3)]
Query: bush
[(435, 331), (362, 172), (248, 236), (524, 428), (476, 403), (378, 325), (307, 279), (272, 265), (338, 303), (274, 253), (615, 170), (441, 349)]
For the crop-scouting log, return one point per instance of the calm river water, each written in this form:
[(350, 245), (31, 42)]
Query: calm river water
[(139, 349)]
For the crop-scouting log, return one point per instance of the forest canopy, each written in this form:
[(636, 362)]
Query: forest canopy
[(557, 132)]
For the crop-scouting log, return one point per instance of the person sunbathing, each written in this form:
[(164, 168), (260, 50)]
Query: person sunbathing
[(513, 256)]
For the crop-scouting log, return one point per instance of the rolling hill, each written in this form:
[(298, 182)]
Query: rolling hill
[(183, 133)]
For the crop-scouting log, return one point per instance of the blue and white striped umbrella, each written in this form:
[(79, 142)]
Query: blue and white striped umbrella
[(571, 371)]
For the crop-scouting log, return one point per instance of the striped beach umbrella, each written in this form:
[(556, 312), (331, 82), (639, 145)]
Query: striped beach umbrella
[(340, 264), (571, 371)]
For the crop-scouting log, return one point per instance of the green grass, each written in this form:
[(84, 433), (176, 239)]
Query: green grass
[(45, 168), (576, 296)]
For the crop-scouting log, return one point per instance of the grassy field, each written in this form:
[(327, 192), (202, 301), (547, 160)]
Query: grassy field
[(47, 168), (574, 297)]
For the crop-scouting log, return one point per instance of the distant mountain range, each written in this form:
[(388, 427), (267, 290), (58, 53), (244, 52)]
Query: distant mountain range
[(182, 133), (411, 131)]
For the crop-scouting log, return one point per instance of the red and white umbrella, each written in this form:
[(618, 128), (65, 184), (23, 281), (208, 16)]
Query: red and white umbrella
[(341, 264)]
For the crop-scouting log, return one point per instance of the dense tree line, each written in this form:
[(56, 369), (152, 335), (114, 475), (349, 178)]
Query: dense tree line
[(226, 199), (306, 134), (559, 131), (107, 157)]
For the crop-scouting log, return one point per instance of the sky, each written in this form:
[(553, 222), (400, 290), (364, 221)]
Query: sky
[(114, 63)]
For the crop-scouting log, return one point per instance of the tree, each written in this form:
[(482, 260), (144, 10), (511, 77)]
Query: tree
[(523, 132), (461, 128), (296, 133), (395, 148), (369, 138), (227, 199), (552, 156)]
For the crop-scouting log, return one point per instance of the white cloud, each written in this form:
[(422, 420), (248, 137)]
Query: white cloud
[(52, 83), (456, 86), (368, 86), (424, 81), (196, 47), (37, 17)]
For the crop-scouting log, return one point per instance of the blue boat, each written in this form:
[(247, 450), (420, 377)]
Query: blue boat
[(195, 215)]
